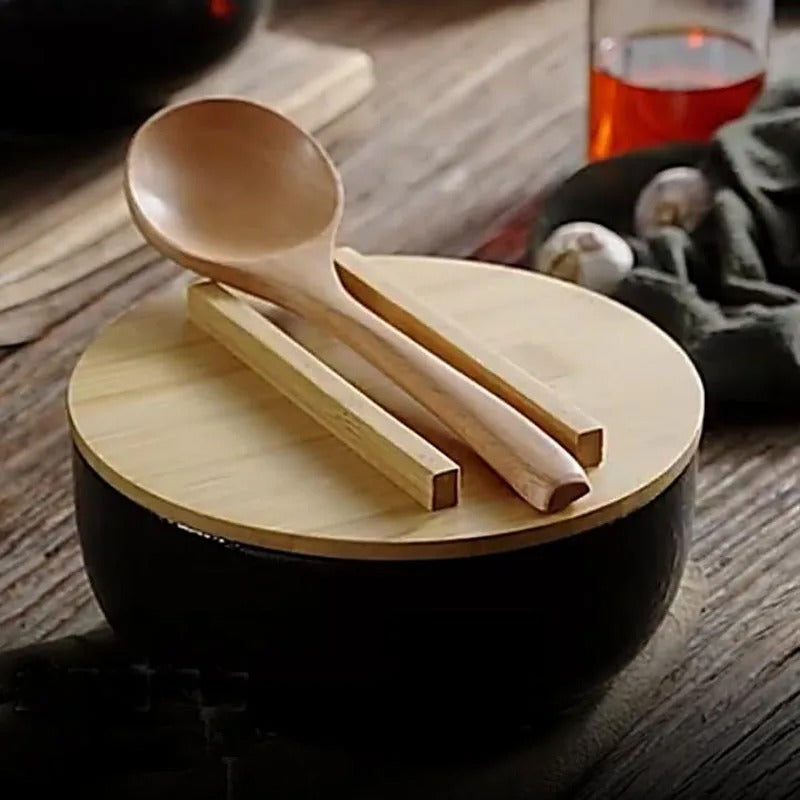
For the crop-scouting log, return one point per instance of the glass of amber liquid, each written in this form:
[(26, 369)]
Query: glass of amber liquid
[(672, 70)]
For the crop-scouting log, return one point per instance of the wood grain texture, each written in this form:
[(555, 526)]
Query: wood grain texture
[(151, 394), (43, 258), (426, 474), (726, 724), (455, 136)]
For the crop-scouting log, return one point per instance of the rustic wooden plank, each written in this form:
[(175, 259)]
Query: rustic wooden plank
[(43, 588), (453, 137), (733, 718), (49, 251)]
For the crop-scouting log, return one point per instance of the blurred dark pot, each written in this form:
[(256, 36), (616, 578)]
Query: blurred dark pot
[(69, 63)]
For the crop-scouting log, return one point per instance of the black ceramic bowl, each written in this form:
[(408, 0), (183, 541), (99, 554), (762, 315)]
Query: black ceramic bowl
[(78, 63), (509, 638), (411, 623)]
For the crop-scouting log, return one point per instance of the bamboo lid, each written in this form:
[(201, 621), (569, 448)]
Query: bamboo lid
[(170, 419)]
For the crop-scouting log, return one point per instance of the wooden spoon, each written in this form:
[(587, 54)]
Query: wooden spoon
[(236, 192)]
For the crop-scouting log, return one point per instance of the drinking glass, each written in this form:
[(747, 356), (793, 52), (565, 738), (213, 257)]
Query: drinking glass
[(672, 70)]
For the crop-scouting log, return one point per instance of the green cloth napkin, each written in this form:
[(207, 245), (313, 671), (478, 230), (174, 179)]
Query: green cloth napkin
[(729, 292)]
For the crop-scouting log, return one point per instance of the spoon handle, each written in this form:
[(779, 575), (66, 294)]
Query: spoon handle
[(539, 469), (569, 425)]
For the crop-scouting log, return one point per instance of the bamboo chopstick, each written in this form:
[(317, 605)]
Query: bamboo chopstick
[(425, 473), (575, 430)]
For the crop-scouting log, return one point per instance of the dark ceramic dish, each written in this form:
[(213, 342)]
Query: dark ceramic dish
[(512, 633), (74, 63), (513, 637)]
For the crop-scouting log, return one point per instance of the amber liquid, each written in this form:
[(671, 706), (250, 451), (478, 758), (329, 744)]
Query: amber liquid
[(668, 86)]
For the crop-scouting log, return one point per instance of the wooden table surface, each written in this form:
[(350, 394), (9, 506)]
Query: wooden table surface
[(479, 104)]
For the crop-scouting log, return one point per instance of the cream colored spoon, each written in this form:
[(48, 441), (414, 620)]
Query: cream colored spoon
[(237, 193)]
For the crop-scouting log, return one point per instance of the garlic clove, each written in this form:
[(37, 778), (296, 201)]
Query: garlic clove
[(679, 196), (587, 254)]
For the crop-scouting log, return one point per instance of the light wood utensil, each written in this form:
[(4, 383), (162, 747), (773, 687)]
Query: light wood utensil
[(236, 192), (568, 424), (246, 328), (402, 455)]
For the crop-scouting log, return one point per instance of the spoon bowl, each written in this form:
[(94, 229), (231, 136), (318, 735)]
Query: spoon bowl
[(229, 181), (236, 192)]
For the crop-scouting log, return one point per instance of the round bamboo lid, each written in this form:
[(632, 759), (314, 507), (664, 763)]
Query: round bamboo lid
[(169, 418)]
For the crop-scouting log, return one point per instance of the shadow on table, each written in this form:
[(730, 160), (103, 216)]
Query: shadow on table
[(55, 162)]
